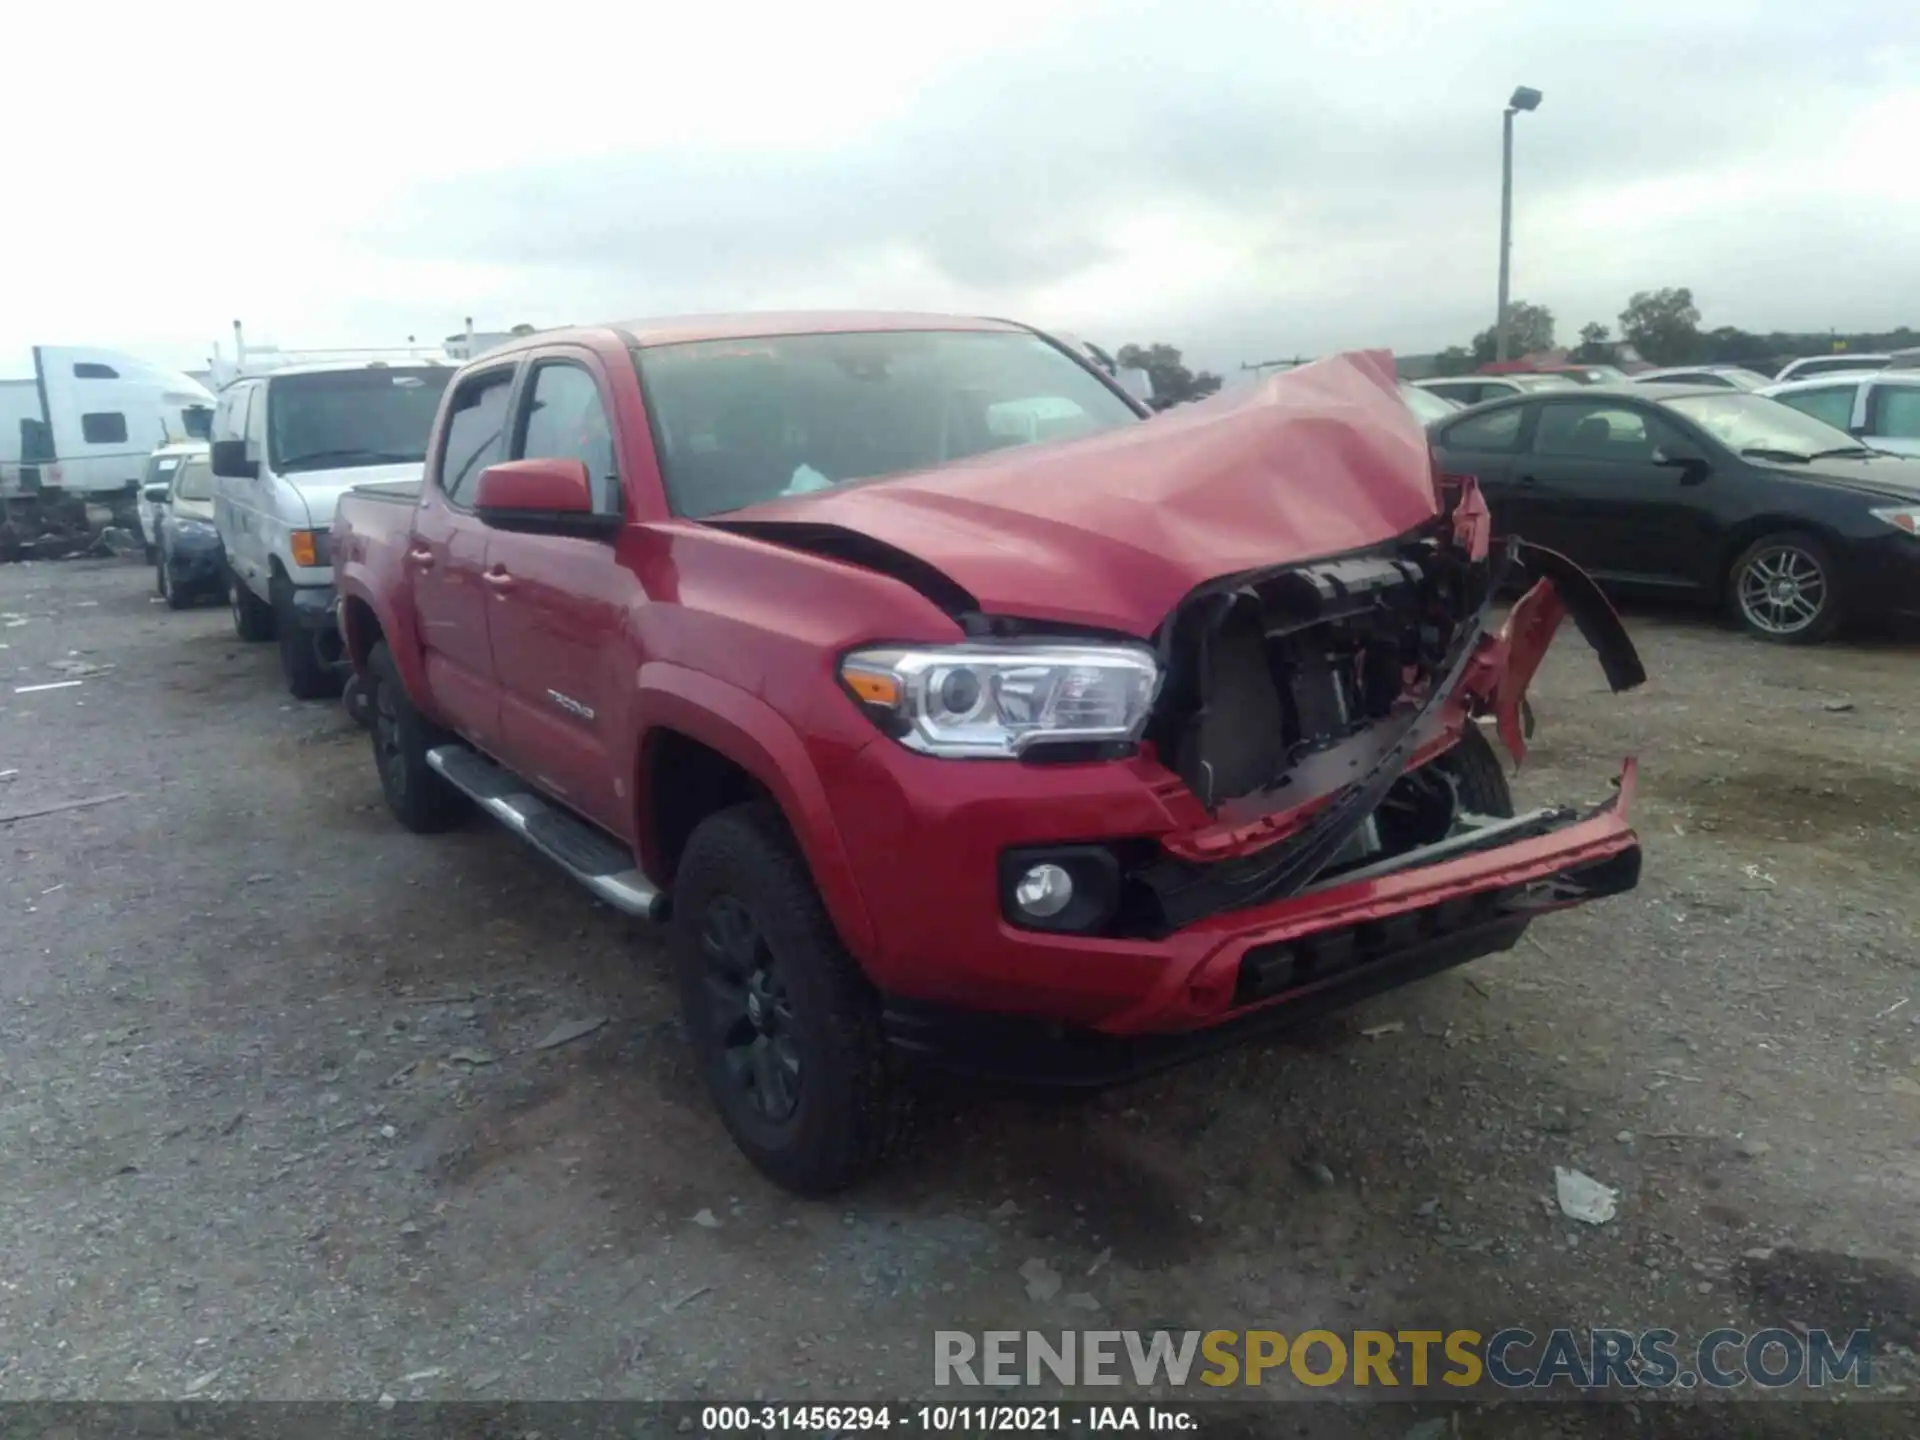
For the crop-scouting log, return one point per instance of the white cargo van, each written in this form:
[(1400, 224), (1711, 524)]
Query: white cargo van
[(286, 445)]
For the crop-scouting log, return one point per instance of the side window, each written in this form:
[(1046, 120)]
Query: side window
[(1497, 432), (104, 427), (1598, 430), (565, 419), (93, 370), (1831, 403), (476, 432), (1894, 410)]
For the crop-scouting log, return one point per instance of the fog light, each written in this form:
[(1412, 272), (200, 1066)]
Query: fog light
[(1044, 891)]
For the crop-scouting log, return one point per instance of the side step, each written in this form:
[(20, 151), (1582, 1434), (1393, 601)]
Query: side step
[(597, 862)]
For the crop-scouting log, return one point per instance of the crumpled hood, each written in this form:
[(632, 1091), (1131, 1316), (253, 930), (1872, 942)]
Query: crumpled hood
[(1114, 530)]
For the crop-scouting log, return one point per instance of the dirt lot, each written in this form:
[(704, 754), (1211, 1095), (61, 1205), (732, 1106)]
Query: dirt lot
[(274, 1121)]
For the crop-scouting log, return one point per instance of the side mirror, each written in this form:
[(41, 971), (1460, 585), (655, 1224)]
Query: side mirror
[(155, 494), (1137, 383), (549, 496), (1690, 462), (229, 459)]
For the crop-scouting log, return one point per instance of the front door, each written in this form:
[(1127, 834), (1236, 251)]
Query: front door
[(1592, 485), (556, 601), (1484, 447), (446, 559)]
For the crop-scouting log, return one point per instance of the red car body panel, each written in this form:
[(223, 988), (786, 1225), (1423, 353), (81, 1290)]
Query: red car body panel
[(716, 633)]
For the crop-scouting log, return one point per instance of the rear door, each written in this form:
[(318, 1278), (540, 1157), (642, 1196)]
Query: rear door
[(1592, 486), (1485, 446), (553, 600), (1892, 417), (446, 558)]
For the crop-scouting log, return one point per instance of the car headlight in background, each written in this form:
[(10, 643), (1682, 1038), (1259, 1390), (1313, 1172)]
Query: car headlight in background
[(999, 701), (312, 548), (1901, 517)]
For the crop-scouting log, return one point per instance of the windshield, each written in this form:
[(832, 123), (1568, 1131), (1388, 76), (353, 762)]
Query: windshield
[(195, 480), (1743, 422), (1425, 405), (337, 419), (742, 421)]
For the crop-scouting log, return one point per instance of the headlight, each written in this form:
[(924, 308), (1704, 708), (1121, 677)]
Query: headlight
[(1901, 517), (993, 700)]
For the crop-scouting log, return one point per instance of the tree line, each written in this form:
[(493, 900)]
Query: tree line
[(1663, 327)]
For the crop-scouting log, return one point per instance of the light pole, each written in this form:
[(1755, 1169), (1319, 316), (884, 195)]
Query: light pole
[(1523, 99)]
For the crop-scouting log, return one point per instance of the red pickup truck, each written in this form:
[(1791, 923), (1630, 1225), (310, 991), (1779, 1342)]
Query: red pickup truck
[(947, 705)]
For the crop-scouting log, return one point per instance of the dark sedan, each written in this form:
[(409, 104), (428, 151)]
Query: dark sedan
[(1729, 497)]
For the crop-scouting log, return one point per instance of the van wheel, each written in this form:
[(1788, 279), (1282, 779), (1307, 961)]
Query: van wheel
[(417, 794), (308, 676), (785, 1028), (252, 620)]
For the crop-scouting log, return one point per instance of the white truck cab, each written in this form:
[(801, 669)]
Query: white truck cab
[(290, 436)]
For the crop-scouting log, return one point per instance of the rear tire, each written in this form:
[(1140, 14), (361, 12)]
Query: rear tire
[(308, 676), (785, 1028), (417, 794), (252, 618), (1784, 588)]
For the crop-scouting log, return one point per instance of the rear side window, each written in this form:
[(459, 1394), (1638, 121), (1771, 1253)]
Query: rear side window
[(93, 370), (1466, 392), (104, 427), (566, 420), (1497, 432), (476, 433), (1831, 403), (1894, 410)]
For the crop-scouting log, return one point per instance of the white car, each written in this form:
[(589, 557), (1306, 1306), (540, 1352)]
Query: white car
[(1881, 408), (1472, 389), (155, 486), (1830, 365), (1727, 377)]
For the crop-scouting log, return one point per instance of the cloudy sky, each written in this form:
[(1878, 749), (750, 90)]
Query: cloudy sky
[(1244, 180)]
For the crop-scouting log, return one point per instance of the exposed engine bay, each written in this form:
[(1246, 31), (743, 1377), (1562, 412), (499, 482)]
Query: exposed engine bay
[(1322, 692)]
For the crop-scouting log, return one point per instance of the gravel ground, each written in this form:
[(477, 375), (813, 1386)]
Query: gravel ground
[(276, 1120)]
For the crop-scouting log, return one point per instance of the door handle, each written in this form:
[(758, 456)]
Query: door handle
[(499, 581), (420, 557)]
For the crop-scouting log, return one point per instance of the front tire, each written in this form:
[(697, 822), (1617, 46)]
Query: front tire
[(252, 618), (417, 794), (176, 598), (785, 1028), (1784, 588), (308, 676)]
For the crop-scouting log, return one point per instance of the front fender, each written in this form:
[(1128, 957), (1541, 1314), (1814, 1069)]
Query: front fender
[(756, 737)]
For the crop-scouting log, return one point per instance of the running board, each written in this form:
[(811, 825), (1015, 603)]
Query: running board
[(595, 860)]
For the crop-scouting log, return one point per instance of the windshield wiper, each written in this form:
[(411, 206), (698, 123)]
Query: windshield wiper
[(354, 457), (1767, 452), (1863, 450)]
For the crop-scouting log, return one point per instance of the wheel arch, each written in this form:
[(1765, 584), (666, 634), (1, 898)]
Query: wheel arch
[(717, 745)]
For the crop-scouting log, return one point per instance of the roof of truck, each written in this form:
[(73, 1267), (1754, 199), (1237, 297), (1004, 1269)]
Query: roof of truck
[(752, 325), (318, 367)]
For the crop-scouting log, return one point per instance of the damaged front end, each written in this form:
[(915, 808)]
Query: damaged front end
[(1323, 715)]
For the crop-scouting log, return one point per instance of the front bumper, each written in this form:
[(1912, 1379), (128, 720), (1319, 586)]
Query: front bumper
[(1882, 577), (944, 946), (194, 561), (313, 610)]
